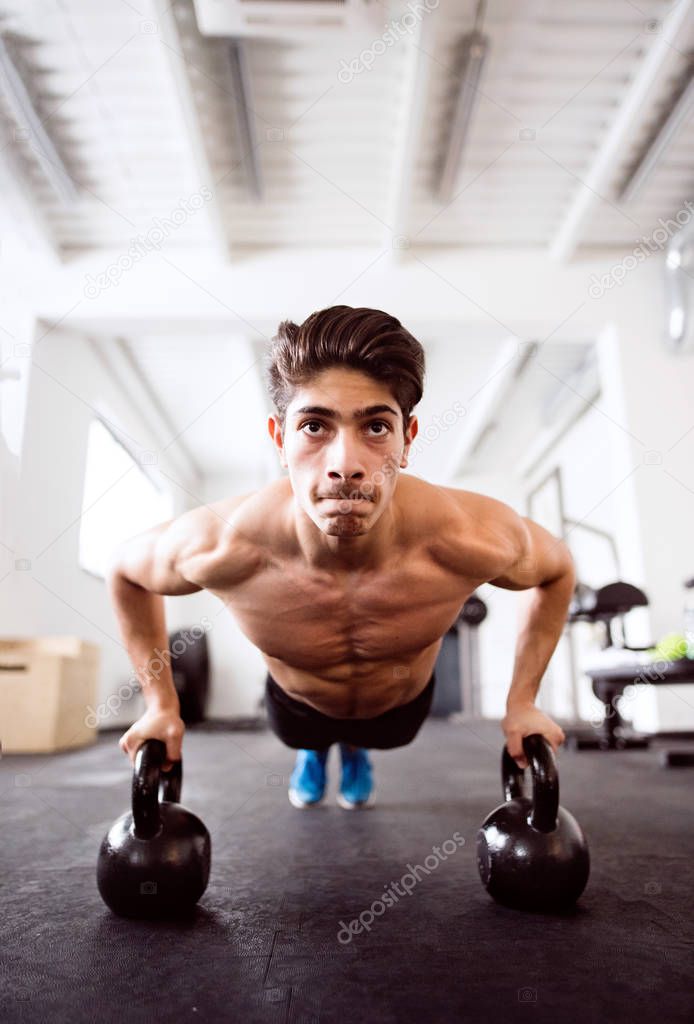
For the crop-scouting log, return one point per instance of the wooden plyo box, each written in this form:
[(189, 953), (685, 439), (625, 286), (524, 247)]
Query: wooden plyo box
[(47, 686)]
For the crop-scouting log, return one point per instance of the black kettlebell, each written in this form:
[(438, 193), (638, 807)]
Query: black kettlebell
[(155, 860), (532, 854)]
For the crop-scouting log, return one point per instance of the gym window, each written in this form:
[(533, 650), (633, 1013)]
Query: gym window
[(119, 500)]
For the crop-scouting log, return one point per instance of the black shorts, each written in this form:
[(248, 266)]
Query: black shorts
[(300, 726)]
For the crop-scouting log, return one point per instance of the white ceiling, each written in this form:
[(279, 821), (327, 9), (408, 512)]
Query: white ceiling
[(140, 106)]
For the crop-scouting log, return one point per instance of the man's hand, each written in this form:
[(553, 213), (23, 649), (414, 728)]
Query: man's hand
[(157, 723), (524, 720)]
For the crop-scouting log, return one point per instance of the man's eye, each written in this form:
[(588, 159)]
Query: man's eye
[(319, 425)]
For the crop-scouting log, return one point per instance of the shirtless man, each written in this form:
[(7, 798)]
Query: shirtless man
[(347, 574)]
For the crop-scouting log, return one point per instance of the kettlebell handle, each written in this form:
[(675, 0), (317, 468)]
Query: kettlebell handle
[(150, 785), (543, 766)]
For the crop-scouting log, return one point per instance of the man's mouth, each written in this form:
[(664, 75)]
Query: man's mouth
[(344, 497)]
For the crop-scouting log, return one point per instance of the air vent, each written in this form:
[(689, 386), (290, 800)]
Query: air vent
[(276, 18)]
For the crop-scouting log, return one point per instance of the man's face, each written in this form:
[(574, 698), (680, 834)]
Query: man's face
[(343, 445)]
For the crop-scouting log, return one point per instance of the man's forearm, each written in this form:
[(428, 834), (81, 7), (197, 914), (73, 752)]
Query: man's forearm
[(143, 629), (541, 627)]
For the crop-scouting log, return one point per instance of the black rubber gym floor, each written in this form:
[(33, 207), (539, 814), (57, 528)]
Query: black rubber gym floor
[(263, 945)]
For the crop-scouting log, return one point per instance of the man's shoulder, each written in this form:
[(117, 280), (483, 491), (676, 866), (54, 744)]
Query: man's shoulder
[(234, 532), (477, 506), (476, 535), (442, 504), (257, 515), (249, 512)]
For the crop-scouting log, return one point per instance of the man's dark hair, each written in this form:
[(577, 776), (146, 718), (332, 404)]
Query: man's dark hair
[(364, 339)]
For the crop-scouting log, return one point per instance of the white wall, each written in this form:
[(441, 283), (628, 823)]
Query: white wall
[(589, 477), (650, 394), (17, 261), (69, 384), (627, 467)]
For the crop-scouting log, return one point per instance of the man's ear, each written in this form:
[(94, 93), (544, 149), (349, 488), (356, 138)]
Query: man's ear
[(410, 434), (275, 431)]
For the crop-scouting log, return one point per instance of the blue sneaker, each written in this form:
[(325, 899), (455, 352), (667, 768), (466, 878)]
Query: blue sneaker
[(356, 787), (307, 782)]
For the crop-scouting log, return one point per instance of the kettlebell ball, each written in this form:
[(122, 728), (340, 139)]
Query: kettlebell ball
[(532, 854), (155, 859)]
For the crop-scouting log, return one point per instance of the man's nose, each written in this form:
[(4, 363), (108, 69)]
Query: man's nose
[(344, 461)]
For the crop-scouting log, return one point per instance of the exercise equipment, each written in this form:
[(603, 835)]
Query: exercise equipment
[(532, 854), (472, 615), (155, 859), (607, 605), (190, 668)]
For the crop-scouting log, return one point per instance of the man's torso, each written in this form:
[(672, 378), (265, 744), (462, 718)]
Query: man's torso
[(351, 644)]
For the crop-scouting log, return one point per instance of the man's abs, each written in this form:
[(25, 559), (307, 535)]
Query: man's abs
[(357, 690)]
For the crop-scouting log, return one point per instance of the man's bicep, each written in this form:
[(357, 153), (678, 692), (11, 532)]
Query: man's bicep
[(539, 557)]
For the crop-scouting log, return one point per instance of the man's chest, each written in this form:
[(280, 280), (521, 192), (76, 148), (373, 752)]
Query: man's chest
[(316, 618)]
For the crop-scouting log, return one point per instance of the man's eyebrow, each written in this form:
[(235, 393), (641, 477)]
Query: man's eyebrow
[(358, 414)]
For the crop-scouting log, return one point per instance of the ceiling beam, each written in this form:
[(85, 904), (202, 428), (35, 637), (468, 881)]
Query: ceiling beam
[(18, 207), (414, 95), (661, 60), (200, 169)]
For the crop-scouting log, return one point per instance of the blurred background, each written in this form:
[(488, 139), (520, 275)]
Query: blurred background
[(513, 180)]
